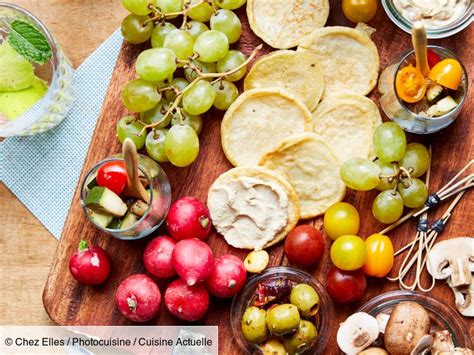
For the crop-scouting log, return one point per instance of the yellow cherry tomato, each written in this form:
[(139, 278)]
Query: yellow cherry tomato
[(359, 10), (410, 84), (341, 219), (447, 73), (379, 255)]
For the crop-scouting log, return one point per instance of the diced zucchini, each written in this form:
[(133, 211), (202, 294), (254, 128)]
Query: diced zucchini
[(103, 200), (434, 92), (139, 208), (92, 183), (115, 223), (442, 107), (129, 220), (101, 219)]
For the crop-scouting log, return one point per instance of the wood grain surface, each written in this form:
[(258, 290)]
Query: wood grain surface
[(67, 302), (26, 247)]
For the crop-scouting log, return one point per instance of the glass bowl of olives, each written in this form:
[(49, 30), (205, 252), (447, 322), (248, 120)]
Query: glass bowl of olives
[(283, 310)]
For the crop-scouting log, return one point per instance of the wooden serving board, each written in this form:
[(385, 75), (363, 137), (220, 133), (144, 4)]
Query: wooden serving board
[(69, 303)]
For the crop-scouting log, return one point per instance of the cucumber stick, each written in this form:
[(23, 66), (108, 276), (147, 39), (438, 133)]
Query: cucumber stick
[(101, 219), (101, 199)]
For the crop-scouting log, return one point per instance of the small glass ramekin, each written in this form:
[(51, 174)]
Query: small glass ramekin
[(395, 108), (442, 316), (246, 297), (160, 199), (52, 108), (452, 28)]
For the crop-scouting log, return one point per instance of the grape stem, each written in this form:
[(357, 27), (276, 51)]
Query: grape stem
[(158, 15), (200, 76)]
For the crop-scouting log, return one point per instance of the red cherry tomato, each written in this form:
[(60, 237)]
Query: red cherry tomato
[(433, 58), (113, 176), (346, 286), (89, 265), (304, 245)]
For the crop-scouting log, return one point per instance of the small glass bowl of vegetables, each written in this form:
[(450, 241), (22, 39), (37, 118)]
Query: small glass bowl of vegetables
[(420, 104), (106, 204), (283, 310), (36, 79)]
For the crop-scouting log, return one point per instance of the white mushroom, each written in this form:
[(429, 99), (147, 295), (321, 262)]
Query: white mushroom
[(442, 341), (464, 299), (423, 346), (454, 259), (357, 332), (382, 320)]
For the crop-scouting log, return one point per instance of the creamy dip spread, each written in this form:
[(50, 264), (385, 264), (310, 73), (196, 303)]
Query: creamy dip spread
[(248, 212), (435, 13)]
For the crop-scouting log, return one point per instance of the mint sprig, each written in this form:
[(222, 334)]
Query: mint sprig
[(29, 42)]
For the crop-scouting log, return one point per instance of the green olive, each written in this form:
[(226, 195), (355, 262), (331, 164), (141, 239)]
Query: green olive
[(273, 347), (253, 325), (283, 319), (306, 299), (302, 339)]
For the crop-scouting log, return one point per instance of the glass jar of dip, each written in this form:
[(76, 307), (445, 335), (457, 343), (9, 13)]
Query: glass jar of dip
[(57, 72), (458, 17), (398, 111), (160, 199)]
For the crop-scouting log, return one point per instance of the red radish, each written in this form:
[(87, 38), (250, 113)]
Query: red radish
[(157, 257), (193, 260), (138, 298), (89, 265), (188, 218), (228, 276), (188, 303)]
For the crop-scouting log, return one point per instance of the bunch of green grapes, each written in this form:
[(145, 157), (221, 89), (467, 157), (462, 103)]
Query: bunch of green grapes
[(395, 173), (188, 70)]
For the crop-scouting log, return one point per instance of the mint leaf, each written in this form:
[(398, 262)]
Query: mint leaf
[(29, 42)]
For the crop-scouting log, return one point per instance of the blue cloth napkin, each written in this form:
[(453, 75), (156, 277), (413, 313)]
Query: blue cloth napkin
[(43, 170)]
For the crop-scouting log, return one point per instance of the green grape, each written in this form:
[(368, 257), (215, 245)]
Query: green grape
[(199, 98), (156, 64), (386, 169), (155, 145), (195, 28), (169, 6), (133, 29), (140, 95), (156, 114), (232, 60), (414, 192), (388, 206), (228, 23), (181, 145), (211, 46), (389, 142), (360, 174), (129, 127), (137, 7), (190, 74), (202, 12), (226, 93), (159, 34), (181, 43), (230, 4), (194, 121), (178, 83), (416, 159)]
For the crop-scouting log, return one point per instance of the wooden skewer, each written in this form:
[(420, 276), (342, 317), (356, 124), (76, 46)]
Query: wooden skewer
[(420, 44), (134, 187)]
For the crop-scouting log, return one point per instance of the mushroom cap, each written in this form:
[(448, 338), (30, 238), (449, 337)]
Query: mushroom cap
[(357, 332), (452, 258), (408, 322)]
